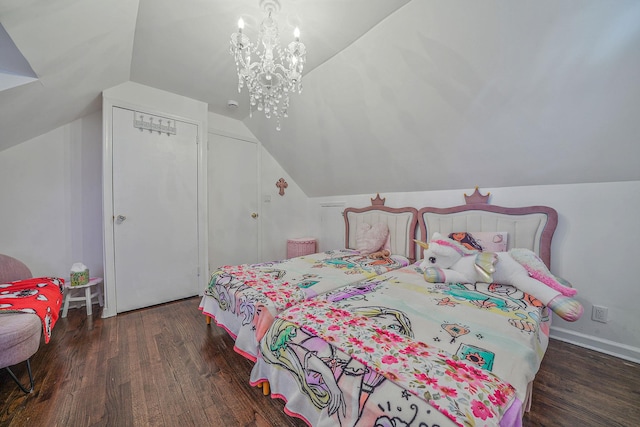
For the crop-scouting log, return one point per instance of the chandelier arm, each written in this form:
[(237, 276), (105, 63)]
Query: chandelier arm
[(281, 67)]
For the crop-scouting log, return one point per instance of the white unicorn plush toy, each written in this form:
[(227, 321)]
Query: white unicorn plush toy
[(447, 261)]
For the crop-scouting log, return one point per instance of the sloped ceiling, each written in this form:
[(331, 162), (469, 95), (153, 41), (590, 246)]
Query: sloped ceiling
[(398, 95)]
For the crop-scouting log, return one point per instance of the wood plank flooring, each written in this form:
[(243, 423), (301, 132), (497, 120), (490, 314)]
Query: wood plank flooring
[(163, 366)]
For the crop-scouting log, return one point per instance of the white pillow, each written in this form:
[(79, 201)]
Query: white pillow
[(370, 239)]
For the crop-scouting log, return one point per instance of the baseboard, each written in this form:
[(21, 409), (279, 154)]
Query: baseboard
[(612, 348)]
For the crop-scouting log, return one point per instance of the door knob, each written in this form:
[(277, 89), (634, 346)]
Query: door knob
[(254, 215), (120, 219)]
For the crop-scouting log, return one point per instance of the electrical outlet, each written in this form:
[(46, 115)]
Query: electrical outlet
[(599, 313)]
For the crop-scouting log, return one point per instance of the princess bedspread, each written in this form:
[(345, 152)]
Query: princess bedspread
[(244, 299), (396, 350)]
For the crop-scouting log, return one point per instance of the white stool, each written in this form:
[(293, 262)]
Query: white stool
[(87, 297)]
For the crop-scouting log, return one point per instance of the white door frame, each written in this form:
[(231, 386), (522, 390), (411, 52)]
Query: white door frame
[(110, 305)]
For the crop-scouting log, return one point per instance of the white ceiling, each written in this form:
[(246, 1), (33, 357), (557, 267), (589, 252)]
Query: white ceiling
[(398, 95)]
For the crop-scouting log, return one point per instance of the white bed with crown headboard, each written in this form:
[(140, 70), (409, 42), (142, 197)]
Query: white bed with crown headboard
[(396, 350), (244, 299)]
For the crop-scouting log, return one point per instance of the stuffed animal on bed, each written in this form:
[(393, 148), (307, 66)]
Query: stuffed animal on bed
[(447, 261), (382, 253)]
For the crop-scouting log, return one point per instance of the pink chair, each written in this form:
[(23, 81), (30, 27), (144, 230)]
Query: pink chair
[(20, 333)]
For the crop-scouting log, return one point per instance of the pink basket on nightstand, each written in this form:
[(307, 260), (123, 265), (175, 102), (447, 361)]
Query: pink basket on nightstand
[(300, 247)]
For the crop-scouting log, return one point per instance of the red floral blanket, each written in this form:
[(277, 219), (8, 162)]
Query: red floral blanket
[(40, 295)]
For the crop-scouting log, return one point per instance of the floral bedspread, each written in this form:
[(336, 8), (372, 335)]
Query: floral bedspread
[(244, 299), (395, 350)]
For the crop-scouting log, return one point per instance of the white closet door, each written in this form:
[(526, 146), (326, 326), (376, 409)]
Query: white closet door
[(155, 206), (233, 201)]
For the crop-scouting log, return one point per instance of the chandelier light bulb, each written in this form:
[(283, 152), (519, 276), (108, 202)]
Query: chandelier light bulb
[(240, 25), (296, 34)]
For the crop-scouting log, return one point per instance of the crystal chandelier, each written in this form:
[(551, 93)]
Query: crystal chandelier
[(275, 73)]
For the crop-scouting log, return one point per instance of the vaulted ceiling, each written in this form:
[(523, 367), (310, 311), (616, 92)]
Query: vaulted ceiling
[(399, 95)]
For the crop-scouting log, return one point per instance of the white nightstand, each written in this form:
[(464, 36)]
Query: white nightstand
[(86, 298)]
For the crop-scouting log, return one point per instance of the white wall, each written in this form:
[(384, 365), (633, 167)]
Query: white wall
[(52, 201), (593, 248), (546, 82), (284, 217)]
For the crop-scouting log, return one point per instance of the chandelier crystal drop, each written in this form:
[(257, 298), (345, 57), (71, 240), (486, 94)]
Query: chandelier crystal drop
[(275, 73)]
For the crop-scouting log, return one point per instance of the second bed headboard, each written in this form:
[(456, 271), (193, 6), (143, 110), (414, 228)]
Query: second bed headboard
[(529, 227), (402, 223)]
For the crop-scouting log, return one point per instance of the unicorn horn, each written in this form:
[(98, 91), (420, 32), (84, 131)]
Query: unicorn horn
[(422, 244)]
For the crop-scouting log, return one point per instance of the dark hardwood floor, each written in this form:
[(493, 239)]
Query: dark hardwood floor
[(163, 366)]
